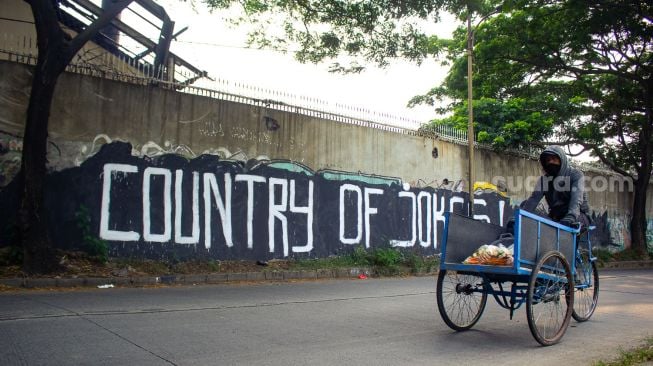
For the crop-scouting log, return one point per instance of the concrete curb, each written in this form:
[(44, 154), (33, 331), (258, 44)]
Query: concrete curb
[(190, 279), (627, 265), (221, 278)]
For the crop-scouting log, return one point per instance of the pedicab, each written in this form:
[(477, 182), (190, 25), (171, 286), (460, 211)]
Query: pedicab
[(551, 269)]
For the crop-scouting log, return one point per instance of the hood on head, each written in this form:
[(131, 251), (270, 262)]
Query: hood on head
[(558, 151)]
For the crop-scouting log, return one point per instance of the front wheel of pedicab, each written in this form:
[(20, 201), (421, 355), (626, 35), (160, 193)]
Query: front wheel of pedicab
[(586, 294), (461, 299), (550, 299)]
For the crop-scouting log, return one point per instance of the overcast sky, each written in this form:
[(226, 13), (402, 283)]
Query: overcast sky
[(210, 45)]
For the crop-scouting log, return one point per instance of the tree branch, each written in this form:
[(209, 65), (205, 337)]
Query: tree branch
[(604, 159), (595, 149)]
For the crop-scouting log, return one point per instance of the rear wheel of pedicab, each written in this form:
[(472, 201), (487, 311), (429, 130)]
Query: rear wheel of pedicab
[(461, 299), (550, 298), (586, 287)]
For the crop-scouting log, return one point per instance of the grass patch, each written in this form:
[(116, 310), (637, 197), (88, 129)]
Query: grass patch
[(629, 255), (634, 356), (358, 258), (384, 261), (94, 246), (604, 255), (420, 264)]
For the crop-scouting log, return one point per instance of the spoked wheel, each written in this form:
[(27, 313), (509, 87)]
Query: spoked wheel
[(586, 287), (461, 299), (550, 298)]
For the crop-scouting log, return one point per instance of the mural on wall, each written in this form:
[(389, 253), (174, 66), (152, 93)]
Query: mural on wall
[(171, 206), (152, 149), (157, 202), (649, 235), (11, 149)]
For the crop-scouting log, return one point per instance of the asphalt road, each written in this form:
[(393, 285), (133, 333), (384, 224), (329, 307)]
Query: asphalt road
[(336, 322)]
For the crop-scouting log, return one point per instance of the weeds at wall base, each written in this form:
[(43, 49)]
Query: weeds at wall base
[(376, 262), (605, 256), (383, 261), (635, 356)]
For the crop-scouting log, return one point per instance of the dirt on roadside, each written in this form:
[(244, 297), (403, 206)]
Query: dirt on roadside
[(79, 264)]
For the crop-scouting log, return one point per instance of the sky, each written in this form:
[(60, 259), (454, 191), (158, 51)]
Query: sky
[(221, 51), (380, 95)]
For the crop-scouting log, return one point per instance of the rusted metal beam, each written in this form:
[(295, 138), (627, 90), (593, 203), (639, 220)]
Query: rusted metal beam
[(162, 48)]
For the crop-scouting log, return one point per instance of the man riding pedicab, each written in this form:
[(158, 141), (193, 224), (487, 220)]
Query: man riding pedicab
[(563, 188)]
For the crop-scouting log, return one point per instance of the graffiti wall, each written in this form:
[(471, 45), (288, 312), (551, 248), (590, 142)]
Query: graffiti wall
[(11, 149), (169, 206)]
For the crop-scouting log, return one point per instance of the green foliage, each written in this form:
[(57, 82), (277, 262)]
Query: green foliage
[(93, 245), (636, 356), (629, 255), (515, 123), (575, 72), (602, 255), (12, 252), (558, 56), (385, 260), (325, 30), (11, 255), (213, 266), (585, 67), (420, 264), (11, 232), (360, 256), (385, 257)]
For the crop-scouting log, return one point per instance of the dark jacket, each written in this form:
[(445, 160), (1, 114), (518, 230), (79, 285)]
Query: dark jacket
[(564, 193)]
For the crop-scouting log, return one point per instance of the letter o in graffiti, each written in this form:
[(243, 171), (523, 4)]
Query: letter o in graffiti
[(167, 205), (359, 213)]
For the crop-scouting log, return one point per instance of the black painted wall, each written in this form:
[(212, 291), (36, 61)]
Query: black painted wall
[(169, 207)]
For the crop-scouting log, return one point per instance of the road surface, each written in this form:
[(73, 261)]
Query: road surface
[(392, 321)]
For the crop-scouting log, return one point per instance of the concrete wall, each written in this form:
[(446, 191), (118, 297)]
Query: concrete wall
[(18, 21), (89, 111), (18, 40), (86, 107)]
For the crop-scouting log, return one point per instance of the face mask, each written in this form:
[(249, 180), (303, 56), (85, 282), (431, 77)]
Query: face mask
[(552, 169)]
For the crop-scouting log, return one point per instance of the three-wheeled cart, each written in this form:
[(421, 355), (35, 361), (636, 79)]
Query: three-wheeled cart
[(554, 273)]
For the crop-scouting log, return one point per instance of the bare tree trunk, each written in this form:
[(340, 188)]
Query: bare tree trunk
[(56, 50), (38, 253), (638, 222), (37, 249)]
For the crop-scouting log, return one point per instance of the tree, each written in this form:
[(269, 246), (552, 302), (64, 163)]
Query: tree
[(588, 64), (56, 50), (585, 66), (350, 34), (376, 30), (515, 123)]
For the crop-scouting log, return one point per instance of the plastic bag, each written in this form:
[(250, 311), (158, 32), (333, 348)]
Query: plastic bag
[(490, 254)]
